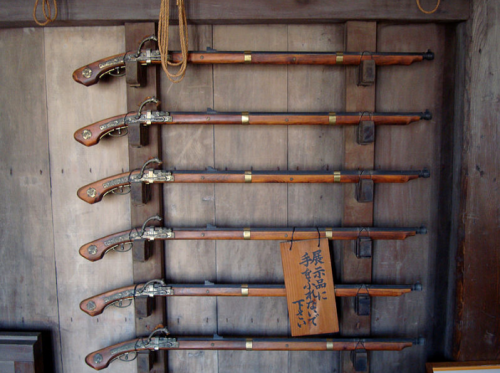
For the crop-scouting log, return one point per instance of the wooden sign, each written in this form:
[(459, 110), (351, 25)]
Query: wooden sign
[(310, 291)]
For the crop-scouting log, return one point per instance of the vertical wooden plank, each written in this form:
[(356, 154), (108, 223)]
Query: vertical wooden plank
[(315, 88), (154, 267), (251, 88), (71, 106), (190, 205), (409, 88), (28, 299), (360, 36), (477, 326)]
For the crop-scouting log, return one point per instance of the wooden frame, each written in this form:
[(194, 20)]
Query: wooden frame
[(18, 13), (462, 366)]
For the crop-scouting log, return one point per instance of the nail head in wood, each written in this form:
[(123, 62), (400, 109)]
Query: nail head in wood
[(367, 71), (366, 132), (364, 191)]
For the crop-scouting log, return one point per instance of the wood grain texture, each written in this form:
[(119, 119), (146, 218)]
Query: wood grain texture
[(417, 146), (477, 327), (254, 88), (315, 88), (190, 147), (359, 36), (28, 300), (70, 106), (154, 267), (92, 12)]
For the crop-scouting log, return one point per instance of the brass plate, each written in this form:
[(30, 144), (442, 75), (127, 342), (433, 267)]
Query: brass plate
[(87, 72), (245, 117), (244, 290), (91, 192), (248, 57), (249, 345), (248, 176), (329, 345), (332, 118), (86, 134), (246, 233), (336, 177), (339, 60)]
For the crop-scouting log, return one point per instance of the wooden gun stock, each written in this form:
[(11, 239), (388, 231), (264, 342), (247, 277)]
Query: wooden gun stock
[(90, 74), (94, 192), (95, 250), (102, 358), (95, 305), (91, 134)]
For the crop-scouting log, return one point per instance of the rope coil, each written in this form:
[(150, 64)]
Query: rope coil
[(174, 77), (428, 11), (46, 12)]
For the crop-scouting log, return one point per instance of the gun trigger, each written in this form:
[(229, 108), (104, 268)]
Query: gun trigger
[(211, 227), (208, 283), (216, 336), (211, 169)]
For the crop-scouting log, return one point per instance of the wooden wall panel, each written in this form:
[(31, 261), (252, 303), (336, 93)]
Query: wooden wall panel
[(190, 205), (409, 88), (477, 327), (315, 88), (28, 299), (71, 106), (251, 88), (93, 12)]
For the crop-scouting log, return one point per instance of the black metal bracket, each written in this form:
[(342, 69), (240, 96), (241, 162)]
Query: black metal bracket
[(359, 360), (140, 193), (367, 71), (141, 251), (145, 361), (143, 306), (364, 190), (138, 135), (135, 74), (364, 247), (362, 304), (366, 132)]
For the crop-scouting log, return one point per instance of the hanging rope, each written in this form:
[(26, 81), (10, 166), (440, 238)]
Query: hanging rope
[(174, 77), (46, 12), (428, 11)]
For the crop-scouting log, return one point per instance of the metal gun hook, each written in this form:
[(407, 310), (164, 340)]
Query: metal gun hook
[(148, 100), (154, 160), (145, 40), (143, 228)]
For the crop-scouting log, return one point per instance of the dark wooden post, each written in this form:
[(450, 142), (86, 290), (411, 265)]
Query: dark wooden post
[(149, 262), (360, 36)]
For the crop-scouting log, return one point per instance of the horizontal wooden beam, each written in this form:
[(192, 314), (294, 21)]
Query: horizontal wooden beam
[(18, 13)]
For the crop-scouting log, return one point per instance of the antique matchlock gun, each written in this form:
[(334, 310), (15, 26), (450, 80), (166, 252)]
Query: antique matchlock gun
[(102, 358), (136, 122), (95, 305), (132, 62), (125, 182), (95, 250)]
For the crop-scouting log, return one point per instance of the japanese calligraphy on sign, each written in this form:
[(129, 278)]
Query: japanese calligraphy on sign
[(309, 287)]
